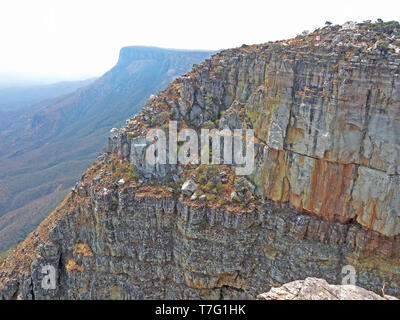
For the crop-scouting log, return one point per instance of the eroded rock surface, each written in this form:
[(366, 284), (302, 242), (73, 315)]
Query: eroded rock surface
[(326, 113), (319, 289), (325, 109)]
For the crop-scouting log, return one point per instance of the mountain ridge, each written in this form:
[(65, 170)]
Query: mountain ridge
[(15, 98), (47, 147)]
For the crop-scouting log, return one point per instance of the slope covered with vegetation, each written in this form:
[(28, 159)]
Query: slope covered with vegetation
[(43, 151)]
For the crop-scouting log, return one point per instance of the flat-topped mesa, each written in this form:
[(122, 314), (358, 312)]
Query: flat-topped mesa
[(325, 108)]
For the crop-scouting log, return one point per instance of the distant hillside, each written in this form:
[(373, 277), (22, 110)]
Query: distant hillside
[(44, 150), (15, 98)]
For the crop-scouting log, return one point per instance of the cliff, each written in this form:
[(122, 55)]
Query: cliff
[(45, 148), (325, 109)]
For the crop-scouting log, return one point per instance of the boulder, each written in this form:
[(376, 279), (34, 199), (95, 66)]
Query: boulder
[(320, 289), (188, 187)]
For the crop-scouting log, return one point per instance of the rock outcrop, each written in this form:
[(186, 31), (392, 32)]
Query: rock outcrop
[(325, 109), (319, 289), (39, 144)]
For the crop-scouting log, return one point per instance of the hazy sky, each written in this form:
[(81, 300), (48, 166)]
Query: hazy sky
[(76, 39)]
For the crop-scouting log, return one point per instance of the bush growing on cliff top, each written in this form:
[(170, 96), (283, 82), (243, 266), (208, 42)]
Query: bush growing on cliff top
[(131, 174), (209, 170), (387, 27), (3, 256), (211, 197), (127, 172), (390, 26), (160, 118), (165, 126), (116, 175), (202, 179), (208, 125), (208, 99), (219, 69), (382, 45)]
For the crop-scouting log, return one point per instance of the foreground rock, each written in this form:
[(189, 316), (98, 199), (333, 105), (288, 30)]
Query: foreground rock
[(319, 289)]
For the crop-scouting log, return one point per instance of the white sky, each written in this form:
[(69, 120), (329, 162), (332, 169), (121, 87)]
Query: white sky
[(75, 39)]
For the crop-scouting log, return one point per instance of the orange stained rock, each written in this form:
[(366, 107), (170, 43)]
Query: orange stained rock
[(330, 190), (83, 249), (73, 266)]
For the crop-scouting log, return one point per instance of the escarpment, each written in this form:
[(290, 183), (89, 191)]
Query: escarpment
[(324, 193)]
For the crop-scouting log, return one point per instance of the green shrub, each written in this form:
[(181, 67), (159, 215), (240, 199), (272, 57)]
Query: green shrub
[(131, 174), (387, 27), (208, 98), (222, 201), (165, 126), (211, 197), (208, 125), (219, 186), (3, 256), (160, 118), (209, 170), (116, 174), (219, 69), (202, 179), (382, 45), (390, 26), (209, 186), (206, 181)]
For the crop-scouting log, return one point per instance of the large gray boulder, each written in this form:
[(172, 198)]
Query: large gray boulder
[(189, 187), (319, 289)]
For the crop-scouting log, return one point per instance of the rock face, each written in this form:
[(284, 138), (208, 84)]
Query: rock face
[(39, 144), (325, 109), (319, 289)]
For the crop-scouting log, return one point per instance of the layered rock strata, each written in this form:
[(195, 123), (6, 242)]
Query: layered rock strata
[(325, 109)]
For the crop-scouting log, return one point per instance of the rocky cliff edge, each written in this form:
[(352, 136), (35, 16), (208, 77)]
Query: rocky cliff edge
[(325, 109)]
